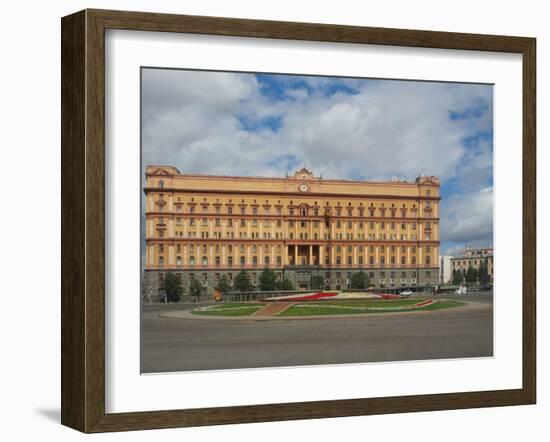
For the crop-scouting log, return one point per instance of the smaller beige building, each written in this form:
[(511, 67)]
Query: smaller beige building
[(474, 258)]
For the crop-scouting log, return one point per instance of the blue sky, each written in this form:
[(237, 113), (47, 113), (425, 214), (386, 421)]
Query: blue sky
[(269, 125)]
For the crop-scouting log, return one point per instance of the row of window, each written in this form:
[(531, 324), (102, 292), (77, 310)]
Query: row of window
[(254, 248), (291, 223), (301, 209), (303, 261), (309, 212), (302, 236)]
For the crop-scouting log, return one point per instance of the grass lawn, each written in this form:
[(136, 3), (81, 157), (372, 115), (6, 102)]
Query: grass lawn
[(336, 308), (245, 311), (327, 307), (229, 305), (376, 302)]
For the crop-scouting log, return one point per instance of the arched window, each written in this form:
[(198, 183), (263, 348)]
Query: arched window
[(254, 261), (178, 261), (161, 261), (191, 261), (204, 261)]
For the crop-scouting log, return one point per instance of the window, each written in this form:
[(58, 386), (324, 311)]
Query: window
[(161, 184), (204, 261), (161, 248), (349, 260), (217, 261), (382, 260), (360, 260), (279, 261), (371, 260), (428, 260), (242, 260), (403, 260), (414, 260), (254, 261), (338, 260), (161, 261), (230, 261), (178, 261), (266, 260)]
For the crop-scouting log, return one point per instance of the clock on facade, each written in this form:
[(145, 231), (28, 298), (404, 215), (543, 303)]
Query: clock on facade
[(304, 187)]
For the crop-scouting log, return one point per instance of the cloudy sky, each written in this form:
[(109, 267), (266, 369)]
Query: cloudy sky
[(268, 125)]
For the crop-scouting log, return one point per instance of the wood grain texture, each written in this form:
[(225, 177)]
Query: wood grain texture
[(83, 220), (73, 252)]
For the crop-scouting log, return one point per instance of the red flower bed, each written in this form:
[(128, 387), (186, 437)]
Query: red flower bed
[(388, 296), (312, 296)]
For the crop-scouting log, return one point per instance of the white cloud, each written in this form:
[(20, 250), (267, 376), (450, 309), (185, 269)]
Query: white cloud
[(468, 217)]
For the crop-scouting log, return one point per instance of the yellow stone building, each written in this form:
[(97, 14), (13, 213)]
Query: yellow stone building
[(474, 257), (202, 226)]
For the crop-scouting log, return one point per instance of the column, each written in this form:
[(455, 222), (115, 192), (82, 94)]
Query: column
[(295, 255), (310, 255), (321, 255), (285, 255)]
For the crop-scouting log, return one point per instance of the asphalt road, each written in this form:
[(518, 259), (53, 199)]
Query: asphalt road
[(185, 345)]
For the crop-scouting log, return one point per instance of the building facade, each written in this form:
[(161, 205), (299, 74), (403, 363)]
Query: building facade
[(202, 226), (474, 258), (445, 270)]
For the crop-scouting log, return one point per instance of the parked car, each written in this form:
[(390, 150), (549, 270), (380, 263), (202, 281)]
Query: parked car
[(406, 293)]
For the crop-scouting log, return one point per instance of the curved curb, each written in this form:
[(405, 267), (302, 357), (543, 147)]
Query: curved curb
[(187, 315)]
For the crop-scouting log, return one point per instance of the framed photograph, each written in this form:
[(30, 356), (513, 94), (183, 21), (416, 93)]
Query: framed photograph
[(269, 220)]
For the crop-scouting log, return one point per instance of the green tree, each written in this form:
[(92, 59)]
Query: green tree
[(285, 284), (457, 277), (223, 285), (268, 280), (242, 282), (471, 274), (359, 280), (317, 282), (484, 272), (195, 289), (172, 287)]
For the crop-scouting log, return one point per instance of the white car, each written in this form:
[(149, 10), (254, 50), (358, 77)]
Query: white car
[(406, 293)]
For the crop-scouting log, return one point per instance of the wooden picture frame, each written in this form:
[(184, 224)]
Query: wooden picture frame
[(83, 220)]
